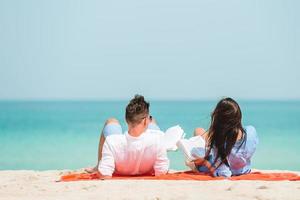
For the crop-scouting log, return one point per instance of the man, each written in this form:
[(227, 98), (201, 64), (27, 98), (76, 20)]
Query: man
[(137, 151)]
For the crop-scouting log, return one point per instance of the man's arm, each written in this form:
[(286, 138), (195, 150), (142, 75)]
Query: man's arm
[(162, 162), (102, 177), (107, 163)]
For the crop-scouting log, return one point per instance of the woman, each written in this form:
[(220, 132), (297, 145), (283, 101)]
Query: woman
[(229, 145)]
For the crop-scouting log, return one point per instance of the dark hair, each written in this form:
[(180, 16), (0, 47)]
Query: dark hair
[(137, 110), (226, 122)]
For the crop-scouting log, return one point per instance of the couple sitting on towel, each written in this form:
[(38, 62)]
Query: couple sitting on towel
[(228, 145)]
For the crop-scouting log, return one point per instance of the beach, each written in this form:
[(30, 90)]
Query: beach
[(30, 169), (28, 184), (225, 72)]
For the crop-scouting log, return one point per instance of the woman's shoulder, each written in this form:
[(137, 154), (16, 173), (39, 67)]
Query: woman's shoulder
[(252, 136), (250, 130)]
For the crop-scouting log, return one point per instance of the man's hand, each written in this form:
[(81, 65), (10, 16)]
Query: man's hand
[(102, 177)]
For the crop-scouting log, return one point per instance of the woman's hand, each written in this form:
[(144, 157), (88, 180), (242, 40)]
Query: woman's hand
[(204, 162)]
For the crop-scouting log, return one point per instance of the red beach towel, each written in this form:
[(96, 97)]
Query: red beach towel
[(188, 175)]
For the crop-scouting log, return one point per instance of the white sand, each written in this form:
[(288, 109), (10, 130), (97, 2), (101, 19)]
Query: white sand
[(41, 185)]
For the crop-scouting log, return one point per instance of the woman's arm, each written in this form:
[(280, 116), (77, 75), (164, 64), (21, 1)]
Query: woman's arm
[(206, 163)]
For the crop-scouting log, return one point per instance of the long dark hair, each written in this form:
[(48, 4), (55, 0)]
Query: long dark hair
[(226, 123)]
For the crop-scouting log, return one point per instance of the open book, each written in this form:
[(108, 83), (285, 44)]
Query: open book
[(192, 148), (172, 136)]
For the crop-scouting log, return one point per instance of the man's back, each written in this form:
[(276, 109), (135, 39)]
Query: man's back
[(128, 155)]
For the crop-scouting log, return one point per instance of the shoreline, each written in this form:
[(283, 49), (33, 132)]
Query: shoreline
[(36, 185)]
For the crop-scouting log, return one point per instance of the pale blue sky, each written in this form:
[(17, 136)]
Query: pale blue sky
[(172, 49)]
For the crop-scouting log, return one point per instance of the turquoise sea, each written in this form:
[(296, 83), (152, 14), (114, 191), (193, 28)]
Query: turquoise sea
[(44, 135)]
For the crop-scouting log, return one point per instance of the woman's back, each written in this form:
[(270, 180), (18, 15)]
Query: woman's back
[(239, 159)]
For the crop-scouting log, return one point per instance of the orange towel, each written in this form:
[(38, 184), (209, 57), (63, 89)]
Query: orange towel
[(189, 175)]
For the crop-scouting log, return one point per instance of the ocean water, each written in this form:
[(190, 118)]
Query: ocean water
[(43, 135)]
